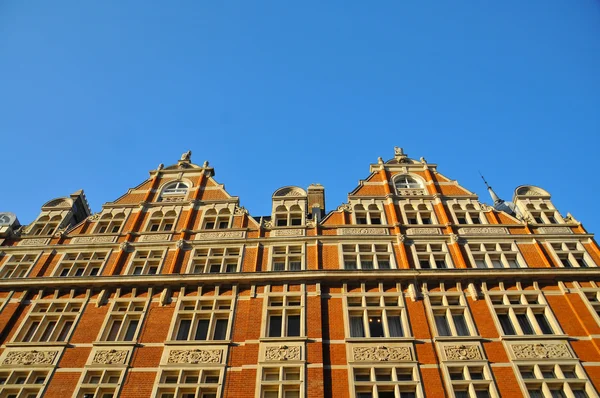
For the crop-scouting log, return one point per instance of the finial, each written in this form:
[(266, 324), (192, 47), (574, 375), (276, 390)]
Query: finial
[(160, 166), (205, 164), (186, 157), (380, 160), (495, 197), (398, 151), (423, 160)]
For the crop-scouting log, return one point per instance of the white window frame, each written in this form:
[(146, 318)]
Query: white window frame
[(284, 305), (72, 262), (431, 252), (539, 370), (147, 260), (468, 211), (204, 258), (100, 383), (291, 214), (18, 265), (124, 310), (24, 382), (276, 381), (287, 254), (447, 305), (200, 381), (468, 383), (217, 216), (495, 255), (112, 224), (48, 312), (355, 250), (162, 218), (365, 212), (570, 252), (411, 211), (394, 375)]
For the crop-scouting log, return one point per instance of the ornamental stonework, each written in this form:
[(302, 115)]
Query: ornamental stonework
[(482, 231), (555, 230), (462, 352), (220, 235), (154, 238), (287, 232), (381, 353), (410, 192), (282, 353), (93, 239), (363, 231), (541, 351), (110, 357), (34, 242), (423, 231), (195, 356), (30, 358)]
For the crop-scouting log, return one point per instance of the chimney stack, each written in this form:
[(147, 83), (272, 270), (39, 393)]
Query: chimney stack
[(316, 200)]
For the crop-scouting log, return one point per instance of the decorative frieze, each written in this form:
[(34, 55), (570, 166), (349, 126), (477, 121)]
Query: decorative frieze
[(482, 231), (410, 192), (423, 231), (287, 232), (555, 230), (381, 353), (154, 238), (172, 199), (34, 242), (110, 357), (462, 352), (93, 239), (30, 358), (282, 353), (541, 351), (195, 356), (363, 231), (220, 235)]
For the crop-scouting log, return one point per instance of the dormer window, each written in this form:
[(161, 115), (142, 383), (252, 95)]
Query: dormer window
[(370, 215), (285, 217), (110, 224), (214, 220), (160, 222), (405, 181), (174, 192)]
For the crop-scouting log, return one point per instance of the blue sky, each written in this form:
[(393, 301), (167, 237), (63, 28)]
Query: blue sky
[(95, 94)]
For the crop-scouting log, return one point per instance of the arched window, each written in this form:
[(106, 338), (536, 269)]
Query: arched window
[(109, 224), (160, 222), (214, 220), (372, 215), (177, 188), (468, 215), (360, 214), (406, 181)]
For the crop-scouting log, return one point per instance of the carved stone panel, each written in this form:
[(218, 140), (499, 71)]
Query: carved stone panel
[(93, 239), (110, 357), (541, 351), (30, 358), (154, 238), (381, 353), (555, 230), (410, 192), (34, 242), (482, 231), (462, 352), (363, 231), (220, 235), (195, 356), (282, 353), (287, 232), (423, 231)]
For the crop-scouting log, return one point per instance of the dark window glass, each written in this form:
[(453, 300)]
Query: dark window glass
[(154, 227), (279, 266), (426, 220), (461, 324), (79, 271), (114, 330), (357, 328), (543, 323), (295, 265), (461, 220), (202, 329), (282, 222), (184, 329), (115, 229), (296, 221), (424, 264), (221, 329), (442, 325), (48, 331), (131, 328), (395, 326), (223, 224), (507, 325), (440, 264), (349, 264), (375, 326), (413, 221), (293, 326), (275, 326), (383, 264), (210, 225), (366, 264), (525, 324), (62, 336), (482, 393), (375, 220)]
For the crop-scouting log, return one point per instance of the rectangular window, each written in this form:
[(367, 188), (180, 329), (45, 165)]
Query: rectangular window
[(431, 255), (285, 315), (81, 264), (376, 315), (205, 382), (287, 258), (124, 320), (281, 381), (451, 314), (17, 266), (216, 260), (571, 254), (203, 318), (100, 383), (146, 262), (473, 381), (556, 380), (523, 313), (494, 255), (367, 256), (385, 381), (49, 321), (23, 382)]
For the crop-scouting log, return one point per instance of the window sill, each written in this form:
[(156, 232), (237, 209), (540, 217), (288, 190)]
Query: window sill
[(38, 344), (457, 338), (282, 339), (197, 342), (535, 337), (115, 343), (378, 340)]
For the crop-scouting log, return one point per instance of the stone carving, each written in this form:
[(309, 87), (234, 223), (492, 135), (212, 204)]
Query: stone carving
[(173, 198), (282, 353), (288, 232), (410, 192), (195, 356), (30, 358), (240, 210), (186, 157), (541, 350), (93, 239), (125, 246), (381, 353), (154, 238), (363, 231), (482, 231), (267, 223), (60, 232), (423, 231), (220, 235), (454, 238), (555, 230), (110, 357), (94, 217), (345, 207), (34, 242), (462, 352), (311, 223), (180, 244), (530, 192)]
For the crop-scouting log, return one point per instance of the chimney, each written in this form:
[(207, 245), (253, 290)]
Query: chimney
[(316, 200)]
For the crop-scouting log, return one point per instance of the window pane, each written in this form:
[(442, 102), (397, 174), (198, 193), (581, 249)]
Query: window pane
[(366, 264), (461, 324), (507, 325), (202, 329), (357, 328), (442, 325), (131, 330), (275, 326), (375, 326), (525, 324), (461, 394), (349, 264), (48, 331), (580, 393), (293, 326), (535, 393), (62, 336), (482, 393), (558, 394), (424, 264), (543, 323), (184, 329), (295, 265), (114, 330), (395, 326), (383, 264), (221, 329)]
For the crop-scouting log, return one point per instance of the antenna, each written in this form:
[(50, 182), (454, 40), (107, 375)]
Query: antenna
[(484, 181)]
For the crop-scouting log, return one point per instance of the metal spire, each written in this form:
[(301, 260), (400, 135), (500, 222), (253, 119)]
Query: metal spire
[(495, 197)]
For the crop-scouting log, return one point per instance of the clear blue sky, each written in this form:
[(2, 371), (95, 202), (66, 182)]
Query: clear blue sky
[(93, 94)]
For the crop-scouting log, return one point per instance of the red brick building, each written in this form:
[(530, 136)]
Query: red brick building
[(414, 288)]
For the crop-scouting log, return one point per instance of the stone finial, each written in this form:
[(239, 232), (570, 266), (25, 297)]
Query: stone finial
[(186, 157), (205, 164), (423, 160), (380, 160), (398, 151), (160, 167)]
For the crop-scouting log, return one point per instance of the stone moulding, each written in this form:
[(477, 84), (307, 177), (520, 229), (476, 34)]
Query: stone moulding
[(93, 239), (220, 235), (154, 238), (287, 232), (462, 352), (541, 351), (555, 230), (30, 358), (282, 353), (410, 192), (381, 353), (34, 242), (363, 231), (195, 356), (483, 231), (423, 231), (110, 357)]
